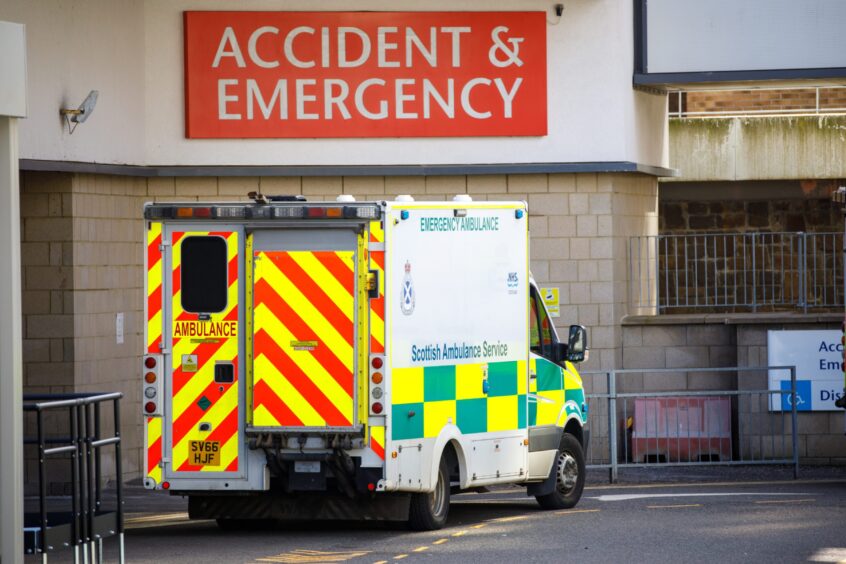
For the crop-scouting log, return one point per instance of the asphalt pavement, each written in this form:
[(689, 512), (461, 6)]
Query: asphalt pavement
[(739, 515)]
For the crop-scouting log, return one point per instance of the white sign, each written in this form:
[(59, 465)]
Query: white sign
[(119, 328), (818, 357), (457, 287), (12, 69)]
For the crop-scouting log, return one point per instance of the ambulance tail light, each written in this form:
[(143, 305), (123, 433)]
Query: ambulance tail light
[(186, 213), (377, 387), (151, 386)]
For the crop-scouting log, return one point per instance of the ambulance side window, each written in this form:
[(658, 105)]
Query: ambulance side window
[(540, 331), (204, 274), (534, 335)]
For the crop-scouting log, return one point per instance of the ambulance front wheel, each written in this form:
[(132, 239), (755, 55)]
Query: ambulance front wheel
[(569, 476), (429, 511)]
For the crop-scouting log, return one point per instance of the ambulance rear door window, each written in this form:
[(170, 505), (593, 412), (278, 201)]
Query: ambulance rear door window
[(204, 274)]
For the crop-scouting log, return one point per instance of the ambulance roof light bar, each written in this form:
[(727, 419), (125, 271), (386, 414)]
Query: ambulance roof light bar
[(271, 210)]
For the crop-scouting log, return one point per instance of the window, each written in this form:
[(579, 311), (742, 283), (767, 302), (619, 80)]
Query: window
[(540, 331), (204, 274), (534, 336)]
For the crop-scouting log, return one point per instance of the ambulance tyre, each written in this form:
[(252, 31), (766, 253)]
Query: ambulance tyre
[(428, 511), (569, 476)]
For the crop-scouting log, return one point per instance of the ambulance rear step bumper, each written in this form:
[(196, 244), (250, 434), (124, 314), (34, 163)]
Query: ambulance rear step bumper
[(291, 507), (310, 438)]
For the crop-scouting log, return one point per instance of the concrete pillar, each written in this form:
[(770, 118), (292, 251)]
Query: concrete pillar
[(12, 103), (11, 416)]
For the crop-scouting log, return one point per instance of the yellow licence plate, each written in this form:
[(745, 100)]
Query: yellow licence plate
[(204, 453)]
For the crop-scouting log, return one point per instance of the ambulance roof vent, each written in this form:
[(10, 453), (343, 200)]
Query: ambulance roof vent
[(404, 198), (345, 198), (462, 198)]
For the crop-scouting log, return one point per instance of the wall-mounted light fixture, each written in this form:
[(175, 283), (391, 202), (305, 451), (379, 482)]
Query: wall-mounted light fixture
[(80, 114)]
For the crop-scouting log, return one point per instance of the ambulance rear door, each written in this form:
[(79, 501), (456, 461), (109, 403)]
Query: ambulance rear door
[(305, 330), (204, 417)]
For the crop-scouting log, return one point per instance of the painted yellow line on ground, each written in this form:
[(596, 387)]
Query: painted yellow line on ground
[(400, 556), (421, 549), (459, 533), (301, 556), (381, 562), (440, 541), (574, 511), (479, 526), (674, 506), (156, 517), (508, 519), (785, 501)]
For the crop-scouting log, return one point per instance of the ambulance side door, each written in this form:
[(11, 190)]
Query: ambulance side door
[(547, 382)]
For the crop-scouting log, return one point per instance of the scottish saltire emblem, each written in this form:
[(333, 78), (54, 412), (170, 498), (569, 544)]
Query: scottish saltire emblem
[(407, 300)]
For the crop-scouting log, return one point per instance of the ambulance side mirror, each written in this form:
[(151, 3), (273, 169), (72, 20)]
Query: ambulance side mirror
[(577, 344)]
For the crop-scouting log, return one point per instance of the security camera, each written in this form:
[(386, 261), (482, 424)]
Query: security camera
[(559, 9)]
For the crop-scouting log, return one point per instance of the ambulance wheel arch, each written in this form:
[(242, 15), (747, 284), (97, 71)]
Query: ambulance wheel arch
[(450, 436), (573, 426)]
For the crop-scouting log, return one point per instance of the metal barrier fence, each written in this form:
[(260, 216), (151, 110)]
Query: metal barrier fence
[(736, 272), (689, 425), (69, 428)]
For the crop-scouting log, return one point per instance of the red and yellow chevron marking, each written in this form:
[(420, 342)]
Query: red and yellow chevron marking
[(377, 305), (377, 441), (196, 398), (303, 338), (154, 287), (153, 457)]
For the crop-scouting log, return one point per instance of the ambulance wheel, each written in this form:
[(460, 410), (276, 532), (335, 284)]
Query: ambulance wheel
[(569, 476), (429, 511)]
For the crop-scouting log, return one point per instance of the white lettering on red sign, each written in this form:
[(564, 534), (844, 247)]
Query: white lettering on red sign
[(326, 74)]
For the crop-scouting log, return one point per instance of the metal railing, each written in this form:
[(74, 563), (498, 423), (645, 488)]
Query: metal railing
[(745, 425), (736, 272), (820, 100), (54, 525)]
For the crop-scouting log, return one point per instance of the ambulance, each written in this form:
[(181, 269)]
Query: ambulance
[(353, 360)]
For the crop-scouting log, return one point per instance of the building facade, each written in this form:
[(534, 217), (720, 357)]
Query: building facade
[(588, 166)]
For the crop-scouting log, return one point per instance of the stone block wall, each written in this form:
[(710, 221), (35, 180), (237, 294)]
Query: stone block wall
[(740, 216), (83, 261), (709, 258), (649, 344)]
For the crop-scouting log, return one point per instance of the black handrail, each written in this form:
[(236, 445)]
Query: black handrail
[(83, 443)]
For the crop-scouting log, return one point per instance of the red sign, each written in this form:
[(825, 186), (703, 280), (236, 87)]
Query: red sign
[(359, 74)]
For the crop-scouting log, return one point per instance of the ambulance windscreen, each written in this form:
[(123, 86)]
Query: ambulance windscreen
[(204, 274)]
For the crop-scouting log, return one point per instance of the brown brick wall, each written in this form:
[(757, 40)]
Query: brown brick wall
[(740, 101)]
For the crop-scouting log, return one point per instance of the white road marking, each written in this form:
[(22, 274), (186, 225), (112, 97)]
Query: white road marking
[(627, 497), (829, 555)]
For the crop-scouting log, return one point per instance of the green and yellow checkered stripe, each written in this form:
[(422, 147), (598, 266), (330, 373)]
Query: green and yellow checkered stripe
[(477, 398), (558, 385)]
